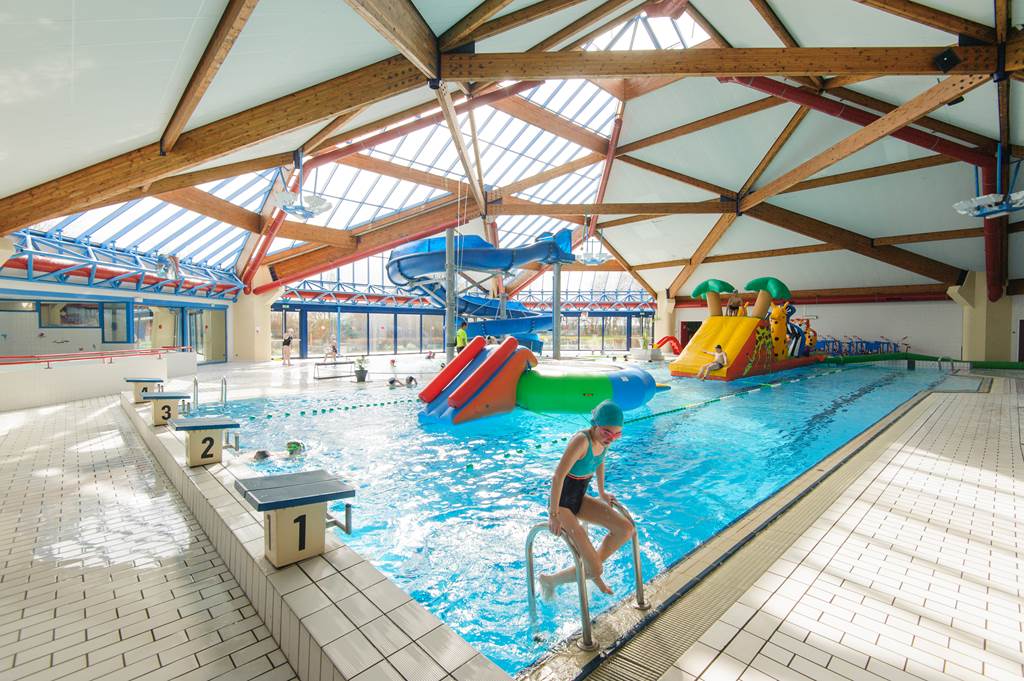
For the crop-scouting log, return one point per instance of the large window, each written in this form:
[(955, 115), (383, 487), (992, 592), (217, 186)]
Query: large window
[(408, 333), (590, 333), (320, 327), (433, 332), (353, 333), (382, 333), (643, 327), (570, 333), (115, 323), (142, 320), (73, 315), (615, 333), (280, 322)]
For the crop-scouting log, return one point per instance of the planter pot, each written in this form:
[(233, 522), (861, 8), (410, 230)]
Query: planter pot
[(645, 354), (360, 375)]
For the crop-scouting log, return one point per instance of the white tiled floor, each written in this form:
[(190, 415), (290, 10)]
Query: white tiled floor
[(103, 571), (914, 573)]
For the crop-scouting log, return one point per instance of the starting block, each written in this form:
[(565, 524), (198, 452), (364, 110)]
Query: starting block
[(205, 443), (294, 507), (141, 386), (165, 406)]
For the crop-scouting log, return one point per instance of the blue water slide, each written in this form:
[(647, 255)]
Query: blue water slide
[(412, 265)]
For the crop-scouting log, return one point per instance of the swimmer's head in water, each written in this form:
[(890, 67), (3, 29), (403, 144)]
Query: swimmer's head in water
[(607, 419), (261, 454), (295, 447)]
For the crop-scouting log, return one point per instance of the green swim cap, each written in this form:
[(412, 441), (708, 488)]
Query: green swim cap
[(607, 414)]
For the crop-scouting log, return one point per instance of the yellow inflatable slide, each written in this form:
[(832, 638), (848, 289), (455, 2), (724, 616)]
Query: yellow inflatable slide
[(750, 343)]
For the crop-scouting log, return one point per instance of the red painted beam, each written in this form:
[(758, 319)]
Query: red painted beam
[(995, 228), (267, 238), (19, 262), (995, 241), (860, 117)]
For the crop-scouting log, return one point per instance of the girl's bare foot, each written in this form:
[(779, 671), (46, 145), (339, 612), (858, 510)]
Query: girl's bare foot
[(547, 587), (600, 583)]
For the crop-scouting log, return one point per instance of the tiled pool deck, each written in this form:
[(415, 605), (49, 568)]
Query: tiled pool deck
[(914, 572), (910, 573)]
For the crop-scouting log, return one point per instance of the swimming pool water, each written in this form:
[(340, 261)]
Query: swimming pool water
[(445, 512)]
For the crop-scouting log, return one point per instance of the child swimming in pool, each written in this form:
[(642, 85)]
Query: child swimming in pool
[(583, 459)]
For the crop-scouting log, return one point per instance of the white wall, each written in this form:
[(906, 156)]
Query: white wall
[(932, 328), (33, 385)]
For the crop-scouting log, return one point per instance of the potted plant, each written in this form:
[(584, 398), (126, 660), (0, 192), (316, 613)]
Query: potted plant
[(360, 369)]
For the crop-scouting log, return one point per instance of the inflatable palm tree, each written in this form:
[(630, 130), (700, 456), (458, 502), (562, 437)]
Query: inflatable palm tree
[(711, 290), (768, 289)]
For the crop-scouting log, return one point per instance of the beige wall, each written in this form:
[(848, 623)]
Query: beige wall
[(250, 327), (986, 325)]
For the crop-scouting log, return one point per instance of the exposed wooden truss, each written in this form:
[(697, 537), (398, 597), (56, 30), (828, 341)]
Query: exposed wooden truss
[(935, 18), (927, 101), (701, 124), (401, 25), (211, 141), (873, 171), (319, 140), (782, 33), (718, 62), (537, 10), (722, 225), (207, 204), (232, 20), (464, 27), (452, 119), (663, 208)]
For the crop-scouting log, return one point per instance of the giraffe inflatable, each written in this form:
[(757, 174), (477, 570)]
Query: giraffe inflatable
[(778, 323)]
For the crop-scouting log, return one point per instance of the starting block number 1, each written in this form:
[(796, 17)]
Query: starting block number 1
[(295, 533)]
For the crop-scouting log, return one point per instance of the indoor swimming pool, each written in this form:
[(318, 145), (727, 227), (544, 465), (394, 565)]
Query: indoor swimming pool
[(444, 511)]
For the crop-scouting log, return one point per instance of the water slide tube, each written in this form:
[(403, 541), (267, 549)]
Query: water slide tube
[(673, 344), (413, 266)]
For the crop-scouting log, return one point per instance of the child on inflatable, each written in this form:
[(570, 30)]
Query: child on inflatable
[(569, 504), (720, 359)]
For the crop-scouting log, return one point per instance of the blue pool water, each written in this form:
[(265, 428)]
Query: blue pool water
[(445, 512)]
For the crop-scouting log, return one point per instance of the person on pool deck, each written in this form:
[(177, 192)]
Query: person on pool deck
[(584, 459), (719, 361), (461, 338), (286, 349)]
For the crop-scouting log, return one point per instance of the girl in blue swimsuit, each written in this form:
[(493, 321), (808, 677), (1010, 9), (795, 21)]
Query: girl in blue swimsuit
[(583, 459)]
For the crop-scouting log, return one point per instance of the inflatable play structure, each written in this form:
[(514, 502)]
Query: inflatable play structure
[(753, 343), (415, 267), (672, 342), (484, 380)]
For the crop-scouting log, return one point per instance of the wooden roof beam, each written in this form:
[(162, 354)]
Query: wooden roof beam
[(401, 25), (200, 145), (718, 62), (924, 103), (874, 171), (664, 208), (464, 27), (935, 18), (859, 294), (783, 34), (627, 267), (452, 119), (717, 232), (214, 207), (232, 20), (537, 10)]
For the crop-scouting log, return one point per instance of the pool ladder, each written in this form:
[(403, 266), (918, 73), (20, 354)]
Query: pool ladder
[(586, 641)]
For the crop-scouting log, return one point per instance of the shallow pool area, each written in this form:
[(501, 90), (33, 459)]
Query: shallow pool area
[(445, 512)]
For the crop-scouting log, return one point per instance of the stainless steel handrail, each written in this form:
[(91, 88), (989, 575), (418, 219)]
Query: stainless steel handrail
[(223, 389), (641, 602), (586, 641), (195, 391)]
